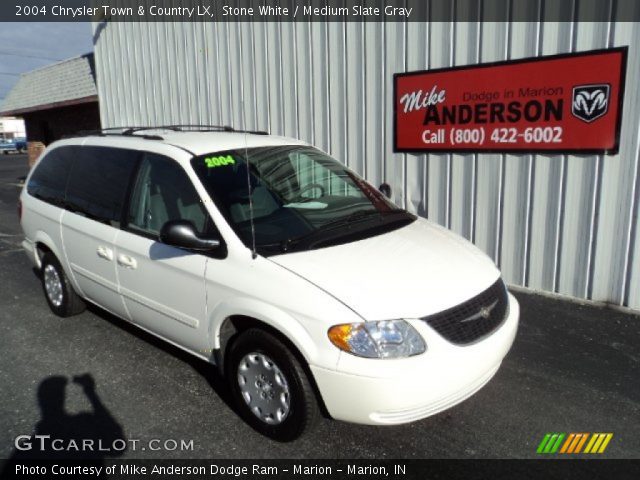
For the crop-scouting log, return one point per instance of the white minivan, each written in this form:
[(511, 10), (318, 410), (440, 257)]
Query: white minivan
[(308, 288)]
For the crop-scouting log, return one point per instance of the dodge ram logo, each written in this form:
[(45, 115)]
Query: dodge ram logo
[(590, 102)]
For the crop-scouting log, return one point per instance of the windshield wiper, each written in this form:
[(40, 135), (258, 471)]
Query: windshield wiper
[(347, 220)]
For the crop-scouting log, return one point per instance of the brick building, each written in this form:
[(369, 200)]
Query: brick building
[(55, 101)]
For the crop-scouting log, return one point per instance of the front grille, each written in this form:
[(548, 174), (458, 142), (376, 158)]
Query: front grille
[(473, 319)]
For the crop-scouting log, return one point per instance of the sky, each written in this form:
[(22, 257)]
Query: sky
[(50, 42)]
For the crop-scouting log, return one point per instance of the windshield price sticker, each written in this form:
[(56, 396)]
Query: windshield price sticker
[(212, 162), (561, 103)]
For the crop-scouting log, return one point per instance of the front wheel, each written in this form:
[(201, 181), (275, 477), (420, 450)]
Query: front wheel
[(270, 387)]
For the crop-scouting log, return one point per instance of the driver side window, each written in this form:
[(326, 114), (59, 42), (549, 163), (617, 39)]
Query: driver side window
[(164, 192)]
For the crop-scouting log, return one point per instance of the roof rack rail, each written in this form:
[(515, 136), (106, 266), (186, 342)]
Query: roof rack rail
[(179, 128), (132, 131), (103, 132), (196, 128)]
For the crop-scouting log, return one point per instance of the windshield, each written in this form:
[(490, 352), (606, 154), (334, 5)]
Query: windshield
[(300, 198)]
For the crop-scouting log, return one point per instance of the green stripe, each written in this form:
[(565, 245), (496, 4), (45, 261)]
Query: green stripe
[(547, 448), (543, 443), (557, 445)]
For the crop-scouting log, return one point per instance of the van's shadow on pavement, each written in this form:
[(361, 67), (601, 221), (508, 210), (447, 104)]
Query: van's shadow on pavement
[(62, 436)]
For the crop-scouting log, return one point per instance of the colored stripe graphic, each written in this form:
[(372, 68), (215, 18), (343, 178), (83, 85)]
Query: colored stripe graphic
[(543, 443), (556, 445), (592, 440), (581, 439), (605, 443), (551, 443), (598, 442), (567, 442)]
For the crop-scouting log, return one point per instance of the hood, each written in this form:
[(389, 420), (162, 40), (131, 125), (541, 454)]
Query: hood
[(411, 272)]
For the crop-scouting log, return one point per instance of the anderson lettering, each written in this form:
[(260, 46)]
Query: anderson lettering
[(512, 112)]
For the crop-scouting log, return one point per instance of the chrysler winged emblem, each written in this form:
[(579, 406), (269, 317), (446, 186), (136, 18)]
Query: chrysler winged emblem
[(590, 102), (484, 312)]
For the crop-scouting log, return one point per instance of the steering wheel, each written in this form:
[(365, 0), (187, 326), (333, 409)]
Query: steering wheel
[(311, 186)]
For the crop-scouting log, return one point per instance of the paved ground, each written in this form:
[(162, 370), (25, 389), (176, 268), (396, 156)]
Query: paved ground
[(573, 368)]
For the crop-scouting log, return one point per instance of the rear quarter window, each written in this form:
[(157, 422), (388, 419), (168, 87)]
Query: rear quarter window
[(50, 176)]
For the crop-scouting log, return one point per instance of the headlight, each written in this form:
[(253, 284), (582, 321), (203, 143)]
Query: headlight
[(384, 339)]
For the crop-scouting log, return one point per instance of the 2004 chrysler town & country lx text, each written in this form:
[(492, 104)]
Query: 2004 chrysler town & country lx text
[(270, 259)]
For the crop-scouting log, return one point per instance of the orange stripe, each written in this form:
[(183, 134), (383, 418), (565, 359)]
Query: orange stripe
[(584, 439), (567, 442), (575, 442)]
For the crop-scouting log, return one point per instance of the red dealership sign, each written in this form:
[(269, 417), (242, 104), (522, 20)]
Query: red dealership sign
[(560, 103)]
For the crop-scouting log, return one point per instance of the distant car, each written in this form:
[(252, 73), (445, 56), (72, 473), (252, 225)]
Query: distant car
[(263, 255), (18, 145)]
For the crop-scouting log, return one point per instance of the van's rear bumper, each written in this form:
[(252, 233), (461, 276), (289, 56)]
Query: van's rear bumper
[(388, 392)]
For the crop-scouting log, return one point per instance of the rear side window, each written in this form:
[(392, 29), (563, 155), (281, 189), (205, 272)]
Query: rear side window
[(98, 182), (49, 178)]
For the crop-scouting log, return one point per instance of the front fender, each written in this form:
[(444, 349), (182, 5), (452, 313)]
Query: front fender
[(315, 350)]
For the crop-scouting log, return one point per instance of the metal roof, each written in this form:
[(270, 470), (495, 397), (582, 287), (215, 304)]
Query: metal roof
[(67, 82)]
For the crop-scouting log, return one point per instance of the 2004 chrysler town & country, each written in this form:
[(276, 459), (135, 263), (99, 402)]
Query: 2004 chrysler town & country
[(270, 259)]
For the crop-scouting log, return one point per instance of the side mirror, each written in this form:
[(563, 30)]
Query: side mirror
[(182, 234), (385, 189)]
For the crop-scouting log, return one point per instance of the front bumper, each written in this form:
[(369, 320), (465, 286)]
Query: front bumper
[(388, 392)]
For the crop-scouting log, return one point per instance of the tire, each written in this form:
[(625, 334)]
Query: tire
[(249, 357), (62, 299)]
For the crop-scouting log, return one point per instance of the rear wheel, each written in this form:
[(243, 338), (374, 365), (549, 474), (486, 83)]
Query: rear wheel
[(269, 386), (61, 297)]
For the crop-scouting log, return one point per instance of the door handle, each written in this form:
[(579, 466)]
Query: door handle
[(105, 252), (127, 261)]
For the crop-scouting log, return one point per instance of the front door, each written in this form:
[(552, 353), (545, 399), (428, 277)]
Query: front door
[(163, 287)]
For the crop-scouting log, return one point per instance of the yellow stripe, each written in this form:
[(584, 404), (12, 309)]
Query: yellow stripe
[(594, 437), (596, 445), (584, 439), (567, 442), (606, 442)]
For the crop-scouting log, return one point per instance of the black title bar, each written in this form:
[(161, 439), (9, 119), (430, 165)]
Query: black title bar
[(319, 10)]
